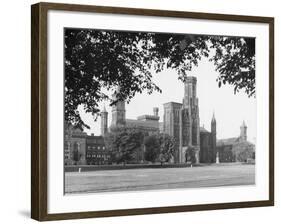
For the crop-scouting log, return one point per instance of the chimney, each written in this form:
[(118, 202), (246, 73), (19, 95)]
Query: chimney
[(155, 111)]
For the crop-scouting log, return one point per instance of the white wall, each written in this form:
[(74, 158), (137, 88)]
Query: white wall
[(15, 111)]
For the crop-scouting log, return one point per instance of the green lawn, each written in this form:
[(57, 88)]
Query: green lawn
[(159, 178)]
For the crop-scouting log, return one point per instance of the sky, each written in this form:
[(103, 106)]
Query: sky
[(230, 109)]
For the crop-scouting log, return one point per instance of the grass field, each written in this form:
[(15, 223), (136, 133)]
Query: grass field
[(159, 178)]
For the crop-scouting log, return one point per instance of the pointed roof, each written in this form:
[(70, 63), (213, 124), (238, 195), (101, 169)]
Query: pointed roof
[(202, 129), (243, 124), (104, 109), (227, 141), (140, 123), (213, 118)]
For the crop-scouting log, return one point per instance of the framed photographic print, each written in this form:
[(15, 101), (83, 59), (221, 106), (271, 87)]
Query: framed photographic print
[(138, 111)]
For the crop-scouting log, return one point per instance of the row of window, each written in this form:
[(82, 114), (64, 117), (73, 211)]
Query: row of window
[(98, 156), (96, 147), (95, 141)]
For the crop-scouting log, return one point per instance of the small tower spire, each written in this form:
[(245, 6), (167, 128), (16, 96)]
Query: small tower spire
[(118, 111), (243, 131), (214, 138), (213, 118), (104, 119), (213, 125)]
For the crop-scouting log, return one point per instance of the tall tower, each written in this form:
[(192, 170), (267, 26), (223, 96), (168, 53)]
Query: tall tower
[(118, 112), (171, 126), (243, 132), (189, 119), (104, 117), (213, 138)]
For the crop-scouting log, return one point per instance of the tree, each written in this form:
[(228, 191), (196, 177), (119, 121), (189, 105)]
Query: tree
[(235, 61), (97, 60), (243, 151), (125, 144), (167, 147), (152, 148), (190, 154)]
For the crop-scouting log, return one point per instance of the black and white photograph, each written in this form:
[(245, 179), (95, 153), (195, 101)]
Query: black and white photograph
[(139, 111), (152, 111)]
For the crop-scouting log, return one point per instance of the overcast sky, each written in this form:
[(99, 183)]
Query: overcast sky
[(230, 110)]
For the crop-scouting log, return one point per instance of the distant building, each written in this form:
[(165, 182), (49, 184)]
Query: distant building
[(237, 149), (104, 119), (147, 123), (74, 146), (208, 142), (96, 152), (82, 149), (181, 121)]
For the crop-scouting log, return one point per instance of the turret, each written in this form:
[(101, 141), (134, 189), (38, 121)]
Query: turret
[(243, 132), (104, 117), (214, 125), (190, 99), (155, 111), (214, 137), (118, 112), (190, 115)]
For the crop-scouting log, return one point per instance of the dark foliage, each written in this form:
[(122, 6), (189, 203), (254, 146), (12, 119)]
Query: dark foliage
[(190, 154), (96, 60), (124, 143), (235, 61), (152, 148), (167, 147)]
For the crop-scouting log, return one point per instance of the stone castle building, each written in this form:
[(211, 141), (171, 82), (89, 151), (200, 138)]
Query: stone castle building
[(148, 123), (181, 121), (83, 149), (74, 146), (208, 143), (237, 149)]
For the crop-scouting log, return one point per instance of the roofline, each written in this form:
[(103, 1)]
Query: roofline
[(171, 102)]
